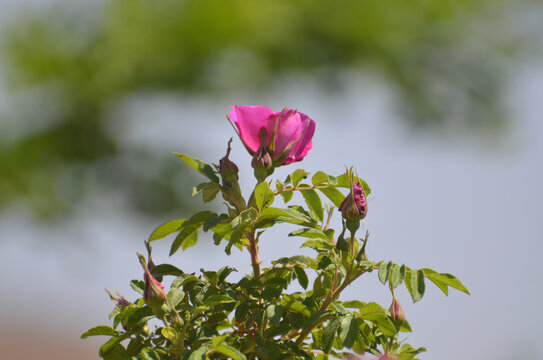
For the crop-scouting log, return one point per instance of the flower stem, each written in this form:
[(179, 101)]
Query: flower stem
[(253, 250)]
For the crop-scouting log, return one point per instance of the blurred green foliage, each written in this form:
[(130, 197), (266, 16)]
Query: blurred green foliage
[(87, 62)]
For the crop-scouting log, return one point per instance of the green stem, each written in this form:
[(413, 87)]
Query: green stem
[(253, 250)]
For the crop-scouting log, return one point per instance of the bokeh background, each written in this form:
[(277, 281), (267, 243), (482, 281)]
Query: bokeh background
[(438, 104)]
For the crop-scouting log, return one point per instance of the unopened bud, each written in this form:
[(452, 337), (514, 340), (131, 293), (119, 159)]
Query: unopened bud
[(228, 169), (261, 159), (153, 293), (396, 312), (342, 243), (354, 207), (119, 299)]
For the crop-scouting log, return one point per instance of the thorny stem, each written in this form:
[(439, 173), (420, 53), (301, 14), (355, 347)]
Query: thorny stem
[(253, 249)]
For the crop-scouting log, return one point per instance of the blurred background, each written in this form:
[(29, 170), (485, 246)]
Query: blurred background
[(436, 103)]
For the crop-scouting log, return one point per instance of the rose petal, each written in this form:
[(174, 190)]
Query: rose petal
[(302, 147), (249, 120)]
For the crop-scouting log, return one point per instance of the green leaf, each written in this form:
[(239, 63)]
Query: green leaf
[(200, 353), (297, 176), (318, 244), (184, 279), (302, 276), (294, 305), (370, 310), (274, 313), (286, 215), (140, 316), (148, 354), (188, 234), (239, 222), (397, 276), (219, 299), (209, 191), (185, 239), (287, 196), (309, 233), (376, 314), (200, 166), (224, 272), (166, 229), (230, 352), (321, 177), (348, 330), (98, 330), (384, 271), (110, 345), (314, 203), (166, 269), (264, 196), (329, 334), (386, 326), (175, 296), (354, 304), (137, 285), (169, 333), (416, 285), (442, 280), (334, 195), (117, 352)]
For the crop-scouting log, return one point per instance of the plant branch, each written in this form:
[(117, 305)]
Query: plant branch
[(253, 250)]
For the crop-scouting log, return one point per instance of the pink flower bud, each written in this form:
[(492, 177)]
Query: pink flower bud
[(288, 133), (396, 312), (119, 299), (354, 207), (153, 293), (342, 243), (262, 158), (228, 169)]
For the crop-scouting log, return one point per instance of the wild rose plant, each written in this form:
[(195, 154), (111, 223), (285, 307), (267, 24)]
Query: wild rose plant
[(208, 316)]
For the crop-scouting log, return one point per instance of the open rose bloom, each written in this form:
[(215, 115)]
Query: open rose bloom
[(287, 133)]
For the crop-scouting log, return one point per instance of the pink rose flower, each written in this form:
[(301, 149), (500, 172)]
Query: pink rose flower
[(287, 133)]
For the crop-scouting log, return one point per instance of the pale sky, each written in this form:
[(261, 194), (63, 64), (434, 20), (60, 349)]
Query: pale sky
[(462, 205)]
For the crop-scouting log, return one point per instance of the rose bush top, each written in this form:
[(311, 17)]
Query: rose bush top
[(210, 316)]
